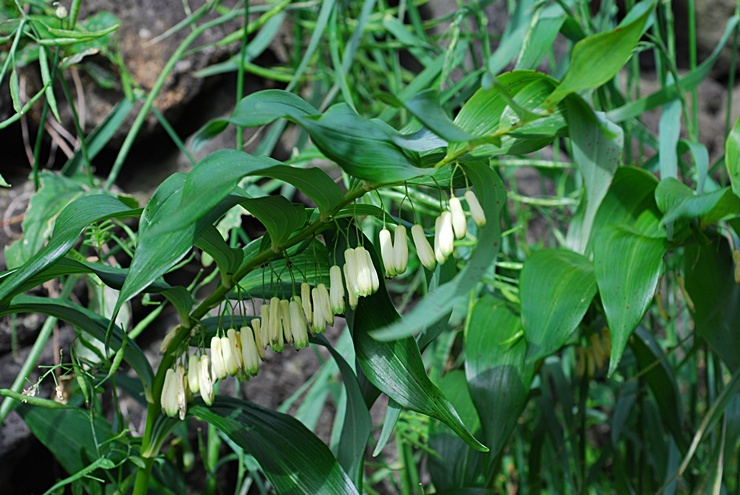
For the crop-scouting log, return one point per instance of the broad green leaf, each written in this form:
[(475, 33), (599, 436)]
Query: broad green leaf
[(90, 323), (597, 146), (456, 466), (357, 424), (511, 41), (556, 288), (363, 148), (227, 258), (293, 459), (497, 376), (627, 266), (732, 157), (662, 382), (210, 181), (678, 202), (55, 193), (68, 227), (280, 217), (711, 284), (492, 196), (597, 58), (630, 201), (74, 437)]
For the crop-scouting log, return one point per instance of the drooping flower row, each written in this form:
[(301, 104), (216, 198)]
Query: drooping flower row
[(450, 224)]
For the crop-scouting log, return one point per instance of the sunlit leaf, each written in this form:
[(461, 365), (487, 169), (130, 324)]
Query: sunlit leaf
[(556, 286), (678, 202)]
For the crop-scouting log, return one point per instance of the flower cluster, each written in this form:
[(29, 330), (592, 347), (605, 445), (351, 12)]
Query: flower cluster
[(450, 225)]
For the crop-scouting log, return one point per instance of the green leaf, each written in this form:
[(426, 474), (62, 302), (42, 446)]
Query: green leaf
[(15, 91), (426, 107), (538, 42), (263, 107), (68, 227), (732, 157), (47, 81), (497, 376), (711, 284), (55, 193), (74, 437), (455, 464), (91, 323), (227, 258), (678, 202), (280, 217), (293, 459), (357, 424), (597, 147), (160, 247), (611, 49), (2, 182), (313, 182), (556, 289), (492, 196), (662, 382), (627, 265)]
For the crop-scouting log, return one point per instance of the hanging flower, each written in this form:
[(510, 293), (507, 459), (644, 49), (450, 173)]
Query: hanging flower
[(319, 320), (229, 362), (259, 341), (206, 384), (182, 388), (169, 394), (459, 223), (217, 359), (250, 351), (479, 217), (275, 331), (386, 252), (423, 248), (444, 241), (336, 291), (298, 324), (236, 348), (351, 293), (306, 302), (400, 250), (194, 374)]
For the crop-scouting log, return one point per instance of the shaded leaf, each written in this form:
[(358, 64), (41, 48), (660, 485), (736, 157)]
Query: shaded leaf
[(426, 107), (556, 289), (710, 282), (678, 202), (280, 217), (732, 157), (294, 460), (494, 366), (313, 182), (627, 266)]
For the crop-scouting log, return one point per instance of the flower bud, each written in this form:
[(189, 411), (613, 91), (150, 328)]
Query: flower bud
[(206, 385), (217, 360), (250, 352), (423, 248), (336, 291), (325, 304), (259, 342), (306, 302), (400, 250), (298, 325), (228, 357), (350, 274), (386, 252), (236, 347), (169, 394), (479, 217), (167, 340), (459, 223), (264, 338), (446, 237), (194, 373)]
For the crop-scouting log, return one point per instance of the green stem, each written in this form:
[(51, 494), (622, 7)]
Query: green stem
[(240, 74)]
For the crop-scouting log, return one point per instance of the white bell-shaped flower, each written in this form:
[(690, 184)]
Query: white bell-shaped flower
[(446, 237), (169, 394), (459, 222), (194, 373), (306, 302), (250, 352), (476, 211), (228, 357), (218, 367), (386, 252), (258, 342), (236, 347), (206, 384), (400, 250), (423, 248), (319, 321), (336, 290), (298, 324), (351, 294), (276, 326), (182, 398)]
